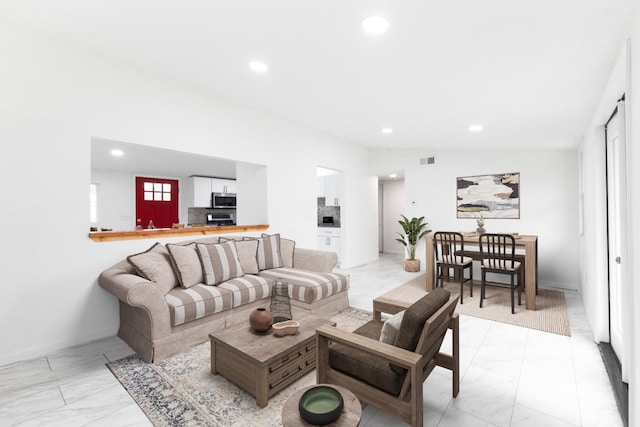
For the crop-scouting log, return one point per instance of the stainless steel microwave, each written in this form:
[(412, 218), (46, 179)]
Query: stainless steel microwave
[(223, 200)]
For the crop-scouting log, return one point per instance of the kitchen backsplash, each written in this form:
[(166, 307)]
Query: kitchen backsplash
[(332, 213), (199, 215)]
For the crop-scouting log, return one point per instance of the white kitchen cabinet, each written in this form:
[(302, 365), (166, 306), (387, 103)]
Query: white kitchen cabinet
[(200, 192), (320, 186), (329, 188), (329, 240), (201, 187), (219, 185)]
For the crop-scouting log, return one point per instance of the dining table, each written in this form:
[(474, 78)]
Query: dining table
[(526, 246)]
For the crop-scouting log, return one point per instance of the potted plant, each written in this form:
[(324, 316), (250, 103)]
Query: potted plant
[(414, 230)]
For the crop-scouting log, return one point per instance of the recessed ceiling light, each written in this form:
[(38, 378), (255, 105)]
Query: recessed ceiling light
[(393, 176), (117, 153), (375, 25), (258, 67), (475, 128), (387, 130)]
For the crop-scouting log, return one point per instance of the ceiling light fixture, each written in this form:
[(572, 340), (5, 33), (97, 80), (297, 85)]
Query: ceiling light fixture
[(375, 25), (258, 67), (117, 153), (475, 128), (387, 130), (393, 176)]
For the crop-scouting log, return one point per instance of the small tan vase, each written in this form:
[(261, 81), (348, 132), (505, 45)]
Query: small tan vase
[(412, 265)]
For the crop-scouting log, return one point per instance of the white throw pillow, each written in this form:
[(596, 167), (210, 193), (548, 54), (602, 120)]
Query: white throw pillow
[(391, 327)]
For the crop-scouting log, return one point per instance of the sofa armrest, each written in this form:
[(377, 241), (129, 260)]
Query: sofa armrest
[(138, 292), (314, 260)]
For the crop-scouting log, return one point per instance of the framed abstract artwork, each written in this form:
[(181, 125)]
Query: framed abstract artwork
[(493, 196)]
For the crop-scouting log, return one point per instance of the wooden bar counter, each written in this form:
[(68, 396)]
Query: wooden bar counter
[(156, 233), (471, 240)]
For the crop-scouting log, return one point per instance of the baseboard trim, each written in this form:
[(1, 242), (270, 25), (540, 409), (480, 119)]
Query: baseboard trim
[(44, 349), (620, 389)]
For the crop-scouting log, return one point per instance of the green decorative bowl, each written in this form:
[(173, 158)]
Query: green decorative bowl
[(321, 405)]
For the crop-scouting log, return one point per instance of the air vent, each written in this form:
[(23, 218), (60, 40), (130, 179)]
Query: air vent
[(427, 161)]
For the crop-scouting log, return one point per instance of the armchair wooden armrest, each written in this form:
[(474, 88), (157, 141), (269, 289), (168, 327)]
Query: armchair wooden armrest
[(388, 305)]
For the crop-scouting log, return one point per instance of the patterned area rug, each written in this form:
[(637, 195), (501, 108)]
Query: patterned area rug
[(550, 314), (181, 391)]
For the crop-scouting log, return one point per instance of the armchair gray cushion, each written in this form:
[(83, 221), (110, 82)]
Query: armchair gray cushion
[(415, 316), (368, 368)]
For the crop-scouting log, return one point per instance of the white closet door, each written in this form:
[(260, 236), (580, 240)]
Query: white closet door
[(616, 209)]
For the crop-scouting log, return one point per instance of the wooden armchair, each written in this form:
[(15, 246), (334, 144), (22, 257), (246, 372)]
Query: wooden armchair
[(390, 377)]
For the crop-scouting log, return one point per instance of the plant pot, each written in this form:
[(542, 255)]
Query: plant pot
[(412, 265)]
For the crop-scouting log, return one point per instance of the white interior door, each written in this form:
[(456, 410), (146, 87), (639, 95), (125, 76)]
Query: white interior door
[(616, 213)]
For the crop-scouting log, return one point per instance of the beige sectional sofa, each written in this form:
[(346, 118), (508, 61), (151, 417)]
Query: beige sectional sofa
[(172, 296)]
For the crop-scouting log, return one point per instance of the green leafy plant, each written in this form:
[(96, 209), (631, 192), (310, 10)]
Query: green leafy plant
[(414, 230)]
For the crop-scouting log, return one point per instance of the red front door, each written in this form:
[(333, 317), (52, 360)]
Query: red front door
[(157, 201)]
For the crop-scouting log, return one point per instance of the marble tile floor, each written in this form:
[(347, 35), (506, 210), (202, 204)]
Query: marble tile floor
[(510, 376)]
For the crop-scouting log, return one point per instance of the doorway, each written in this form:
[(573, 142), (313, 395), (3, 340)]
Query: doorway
[(156, 202), (391, 204)]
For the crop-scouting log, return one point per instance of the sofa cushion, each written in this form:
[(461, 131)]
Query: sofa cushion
[(309, 286), (219, 262), (287, 248), (186, 264), (247, 288), (197, 302), (368, 368), (247, 254), (269, 251), (155, 265)]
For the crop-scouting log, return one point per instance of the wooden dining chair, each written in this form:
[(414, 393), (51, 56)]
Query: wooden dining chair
[(448, 248), (498, 253)]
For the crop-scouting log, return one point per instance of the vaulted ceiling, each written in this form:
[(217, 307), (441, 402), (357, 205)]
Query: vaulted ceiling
[(530, 72)]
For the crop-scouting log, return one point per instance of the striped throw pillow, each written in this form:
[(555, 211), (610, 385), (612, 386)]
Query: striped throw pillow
[(219, 262), (269, 252)]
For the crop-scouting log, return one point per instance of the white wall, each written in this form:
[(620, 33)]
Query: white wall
[(55, 99), (593, 245), (252, 183), (394, 203), (115, 199), (548, 206)]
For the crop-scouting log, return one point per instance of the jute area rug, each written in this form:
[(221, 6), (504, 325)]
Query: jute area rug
[(181, 391), (550, 314)]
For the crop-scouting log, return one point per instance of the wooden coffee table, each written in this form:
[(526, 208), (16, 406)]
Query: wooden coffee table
[(262, 364)]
